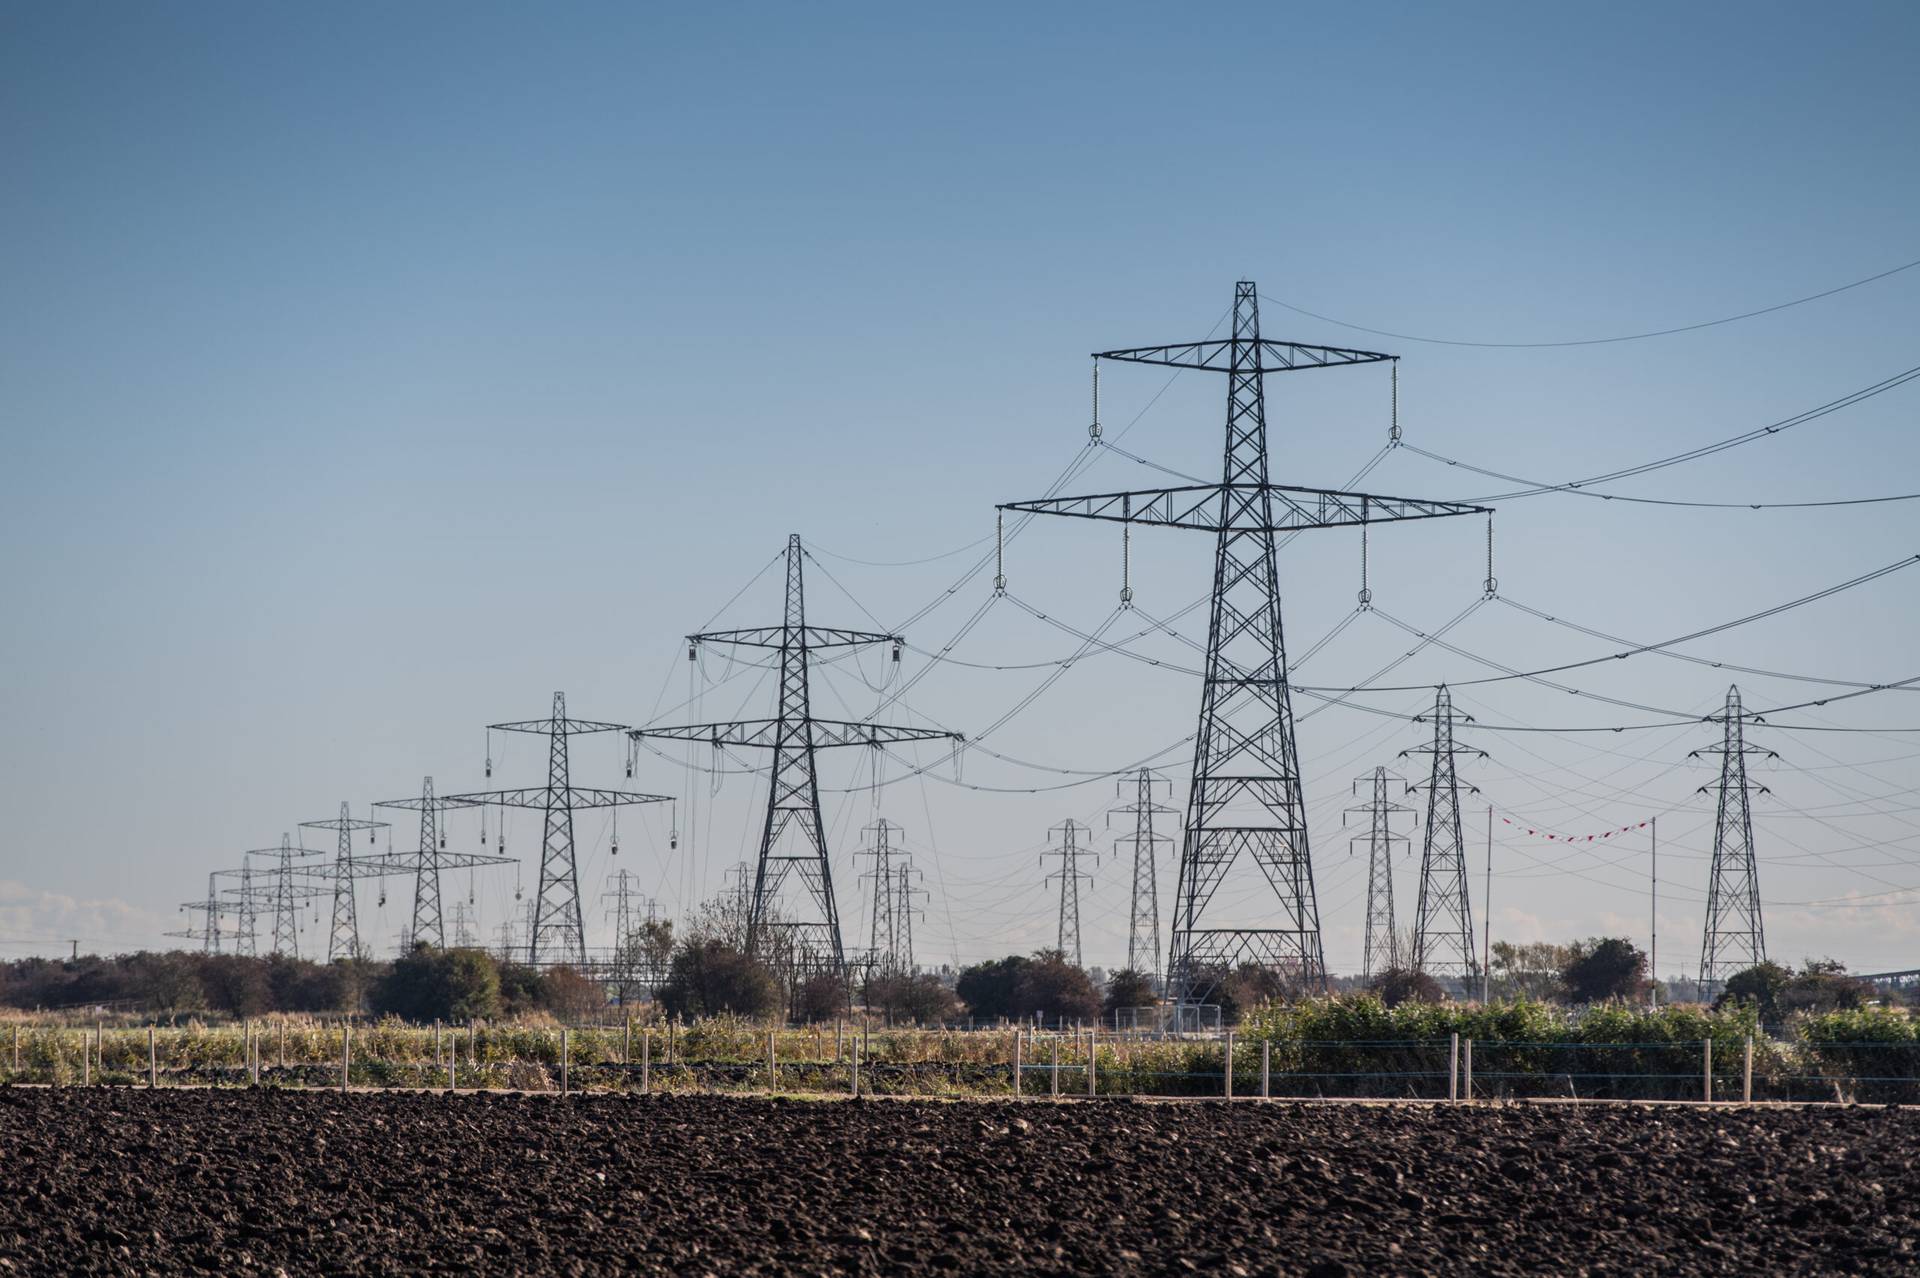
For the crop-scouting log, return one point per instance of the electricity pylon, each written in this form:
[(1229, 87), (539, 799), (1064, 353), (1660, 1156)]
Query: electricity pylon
[(890, 946), (246, 909), (794, 837), (1070, 852), (343, 940), (1246, 794), (1382, 944), (428, 926), (1143, 919), (291, 884), (465, 933), (558, 921), (1443, 927), (1735, 939), (209, 910), (625, 914)]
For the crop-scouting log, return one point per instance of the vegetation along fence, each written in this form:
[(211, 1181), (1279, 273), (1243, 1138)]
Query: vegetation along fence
[(1864, 1061)]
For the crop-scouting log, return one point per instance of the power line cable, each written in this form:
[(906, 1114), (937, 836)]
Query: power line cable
[(1603, 341)]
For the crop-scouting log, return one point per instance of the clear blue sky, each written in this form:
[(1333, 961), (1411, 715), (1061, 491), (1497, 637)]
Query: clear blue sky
[(368, 372)]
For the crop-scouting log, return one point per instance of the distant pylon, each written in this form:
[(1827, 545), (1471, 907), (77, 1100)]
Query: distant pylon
[(1734, 937), (209, 910), (558, 922), (246, 910), (1070, 852), (1382, 945), (1143, 919), (794, 837), (343, 940), (291, 885), (1443, 927), (428, 923), (891, 938)]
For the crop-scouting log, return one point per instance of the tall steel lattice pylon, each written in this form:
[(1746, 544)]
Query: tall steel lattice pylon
[(1443, 926), (1245, 796), (291, 884), (794, 836), (427, 924), (343, 939), (1070, 853), (246, 911), (1735, 939), (1382, 951), (890, 941), (1143, 918), (209, 911), (558, 928)]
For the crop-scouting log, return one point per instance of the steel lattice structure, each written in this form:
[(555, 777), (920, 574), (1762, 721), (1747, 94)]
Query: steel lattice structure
[(291, 884), (794, 836), (209, 910), (1735, 939), (1382, 951), (557, 916), (1070, 878), (1443, 926), (1143, 917), (1246, 793), (246, 909), (890, 939), (428, 924), (343, 939)]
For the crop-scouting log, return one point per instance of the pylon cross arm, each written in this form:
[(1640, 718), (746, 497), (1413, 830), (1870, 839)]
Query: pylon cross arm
[(568, 727), (809, 636), (767, 733), (1218, 356), (1227, 507), (540, 796)]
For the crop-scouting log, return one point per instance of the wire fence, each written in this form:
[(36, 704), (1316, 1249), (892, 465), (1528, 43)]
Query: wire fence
[(850, 1059)]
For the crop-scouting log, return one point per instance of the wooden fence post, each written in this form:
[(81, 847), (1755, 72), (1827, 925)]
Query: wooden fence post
[(626, 1041), (1055, 1071), (646, 1060), (1466, 1071), (1093, 1045), (773, 1065), (1746, 1074), (153, 1058), (1016, 1062), (1226, 1071), (565, 1051), (856, 1067), (283, 1042), (1453, 1069), (1266, 1069), (1706, 1075)]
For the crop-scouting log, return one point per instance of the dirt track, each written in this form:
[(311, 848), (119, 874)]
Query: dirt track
[(248, 1182)]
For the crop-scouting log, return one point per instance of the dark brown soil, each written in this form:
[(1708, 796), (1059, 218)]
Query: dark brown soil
[(253, 1182)]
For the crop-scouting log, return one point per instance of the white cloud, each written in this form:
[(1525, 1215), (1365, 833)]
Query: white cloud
[(33, 921)]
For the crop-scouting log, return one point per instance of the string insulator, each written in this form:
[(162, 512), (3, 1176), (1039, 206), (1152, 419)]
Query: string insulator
[(1491, 584), (1393, 425), (1366, 595), (1093, 431), (1126, 551), (1000, 552)]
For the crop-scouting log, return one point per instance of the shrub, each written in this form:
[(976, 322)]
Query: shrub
[(1399, 985), (709, 977), (442, 985)]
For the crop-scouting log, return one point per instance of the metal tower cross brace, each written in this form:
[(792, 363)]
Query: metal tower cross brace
[(1443, 927), (1246, 795), (558, 921), (430, 858), (289, 886), (1735, 939), (1143, 920), (794, 835), (1070, 878), (1382, 944), (343, 940)]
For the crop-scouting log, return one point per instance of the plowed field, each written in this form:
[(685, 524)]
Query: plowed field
[(259, 1181)]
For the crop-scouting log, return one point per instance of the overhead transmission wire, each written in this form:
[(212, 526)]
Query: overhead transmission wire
[(1579, 487), (1603, 341)]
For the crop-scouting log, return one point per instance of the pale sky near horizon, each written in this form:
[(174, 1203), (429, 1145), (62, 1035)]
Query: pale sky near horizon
[(367, 373)]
